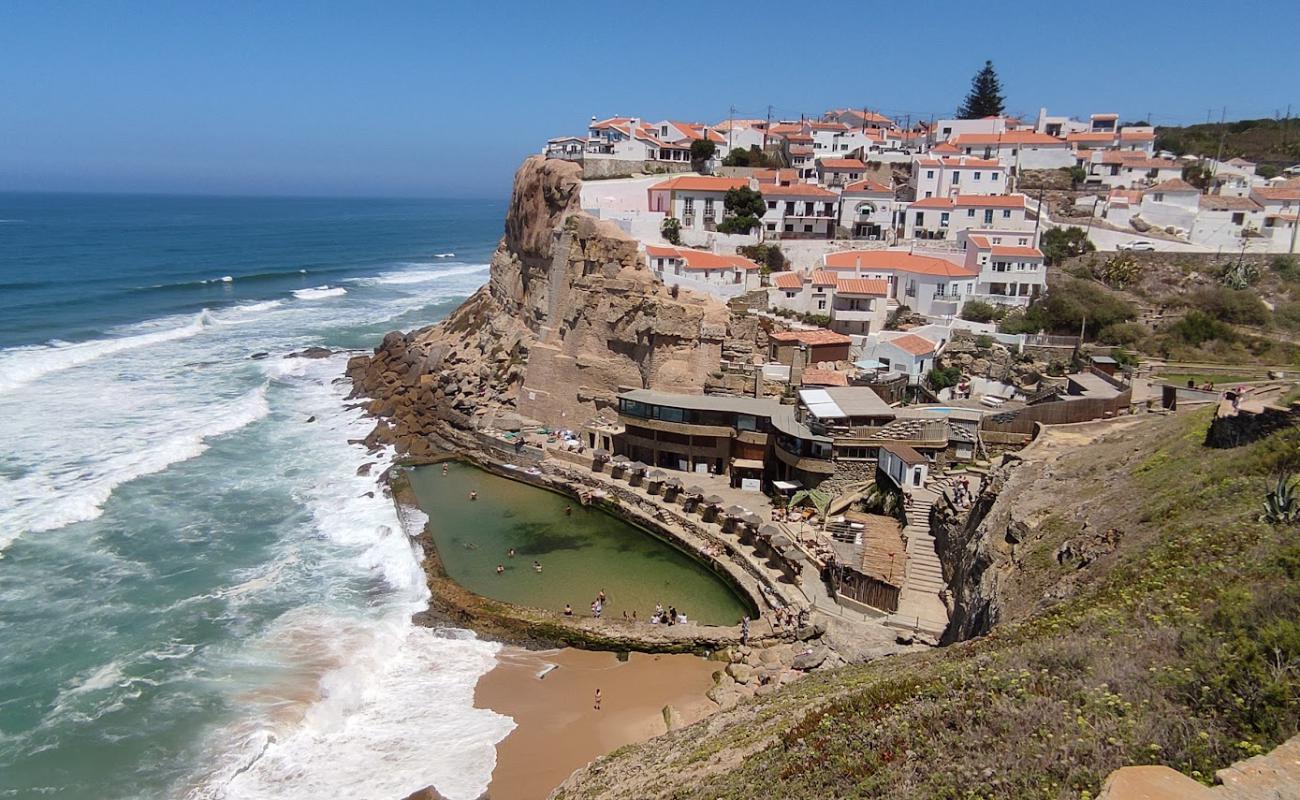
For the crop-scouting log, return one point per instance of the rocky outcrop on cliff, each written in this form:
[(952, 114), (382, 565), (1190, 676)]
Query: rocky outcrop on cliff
[(570, 316)]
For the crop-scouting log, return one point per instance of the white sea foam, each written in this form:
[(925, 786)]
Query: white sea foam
[(408, 277), (227, 279), (22, 365), (40, 501), (319, 292), (445, 255), (253, 308)]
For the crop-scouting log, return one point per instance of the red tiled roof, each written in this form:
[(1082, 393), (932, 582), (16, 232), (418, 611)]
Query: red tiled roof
[(989, 200), (878, 287), (933, 202), (841, 163), (1136, 136), (1173, 185), (700, 259), (944, 148), (823, 277), (813, 376), (1278, 193), (1016, 252), (1090, 137), (817, 336), (961, 162), (787, 280), (1010, 137), (868, 186), (701, 183), (896, 261), (913, 344), (795, 190)]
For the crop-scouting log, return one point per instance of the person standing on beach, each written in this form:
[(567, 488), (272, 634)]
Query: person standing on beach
[(597, 701)]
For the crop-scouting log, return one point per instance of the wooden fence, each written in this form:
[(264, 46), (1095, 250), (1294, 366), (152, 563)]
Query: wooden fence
[(866, 589), (1060, 412)]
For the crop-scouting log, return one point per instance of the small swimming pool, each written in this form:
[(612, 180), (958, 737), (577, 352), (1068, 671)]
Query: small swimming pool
[(581, 552)]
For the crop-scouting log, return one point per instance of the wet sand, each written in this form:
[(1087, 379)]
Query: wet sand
[(559, 730)]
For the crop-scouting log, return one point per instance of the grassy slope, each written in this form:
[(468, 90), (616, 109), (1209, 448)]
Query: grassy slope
[(1263, 141), (1183, 649)]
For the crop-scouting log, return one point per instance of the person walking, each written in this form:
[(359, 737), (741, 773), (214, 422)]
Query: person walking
[(744, 630), (596, 703)]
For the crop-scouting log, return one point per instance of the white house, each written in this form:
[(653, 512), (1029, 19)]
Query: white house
[(1058, 126), (740, 134), (695, 200), (947, 129), (868, 210), (620, 139), (907, 353), (928, 284), (839, 172), (942, 217), (1018, 149), (799, 211), (1120, 169), (860, 118), (1011, 272), (945, 177), (794, 292), (1227, 221), (1281, 207), (859, 306), (1171, 204), (723, 276)]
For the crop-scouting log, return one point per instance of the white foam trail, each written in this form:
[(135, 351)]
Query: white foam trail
[(319, 292), (227, 279), (22, 365), (41, 501), (445, 255), (413, 276), (253, 308)]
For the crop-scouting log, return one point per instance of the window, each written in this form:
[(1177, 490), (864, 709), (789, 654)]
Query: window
[(956, 177), (1006, 213), (1158, 197), (929, 194), (790, 293), (821, 305), (929, 174), (807, 229), (789, 208), (771, 204), (988, 216), (708, 206), (688, 205), (789, 228), (1238, 218), (977, 176), (943, 219), (970, 212), (993, 176), (771, 226), (920, 217)]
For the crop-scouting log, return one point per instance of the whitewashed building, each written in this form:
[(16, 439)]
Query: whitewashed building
[(1011, 271), (1018, 149), (695, 200), (928, 284), (799, 211), (943, 217), (868, 210), (946, 177), (723, 276)]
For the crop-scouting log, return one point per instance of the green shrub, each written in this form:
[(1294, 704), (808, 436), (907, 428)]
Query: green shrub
[(1120, 270), (1065, 308), (671, 230), (1059, 244), (1197, 328), (979, 311), (1238, 306), (767, 256), (1123, 333), (984, 341), (1287, 267), (1287, 315), (943, 377)]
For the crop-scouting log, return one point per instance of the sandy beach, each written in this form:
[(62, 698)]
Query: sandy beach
[(560, 730)]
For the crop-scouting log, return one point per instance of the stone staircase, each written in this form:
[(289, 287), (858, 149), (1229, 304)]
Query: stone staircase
[(919, 605)]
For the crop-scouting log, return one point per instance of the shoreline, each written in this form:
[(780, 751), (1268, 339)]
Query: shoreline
[(557, 728)]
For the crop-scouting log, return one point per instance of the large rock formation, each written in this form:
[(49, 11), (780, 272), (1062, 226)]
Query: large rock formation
[(569, 317)]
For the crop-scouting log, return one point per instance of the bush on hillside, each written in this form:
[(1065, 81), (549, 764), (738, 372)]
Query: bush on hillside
[(1287, 315), (1196, 328), (1287, 267), (943, 377), (1058, 244), (1231, 305), (1124, 333), (1067, 306), (1120, 270), (671, 230), (767, 256), (980, 311)]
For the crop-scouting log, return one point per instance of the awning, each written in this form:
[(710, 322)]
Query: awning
[(869, 363), (746, 463), (785, 486)]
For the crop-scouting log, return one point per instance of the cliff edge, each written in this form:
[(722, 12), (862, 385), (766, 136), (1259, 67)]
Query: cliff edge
[(569, 317)]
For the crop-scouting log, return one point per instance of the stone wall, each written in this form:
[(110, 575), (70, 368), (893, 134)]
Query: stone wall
[(594, 169)]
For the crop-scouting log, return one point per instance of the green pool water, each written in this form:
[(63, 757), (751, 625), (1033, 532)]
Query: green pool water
[(581, 552)]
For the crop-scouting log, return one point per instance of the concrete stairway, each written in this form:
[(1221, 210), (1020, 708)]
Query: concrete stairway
[(919, 605)]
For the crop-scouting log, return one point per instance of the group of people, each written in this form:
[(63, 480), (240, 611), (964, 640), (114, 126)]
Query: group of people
[(783, 618), (501, 568), (669, 617)]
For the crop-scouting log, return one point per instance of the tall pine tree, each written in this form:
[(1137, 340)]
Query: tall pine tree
[(985, 98)]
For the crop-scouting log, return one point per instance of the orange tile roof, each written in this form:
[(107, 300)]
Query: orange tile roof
[(795, 190), (1173, 185), (700, 259), (1136, 136), (823, 277), (812, 376), (961, 162), (944, 148), (700, 183), (801, 149), (786, 127), (775, 175), (982, 242), (932, 202), (1090, 137), (868, 186), (817, 336), (989, 200), (787, 280), (828, 126), (878, 287), (1278, 193), (896, 261), (1017, 252), (841, 163), (867, 116), (1010, 137), (913, 344)]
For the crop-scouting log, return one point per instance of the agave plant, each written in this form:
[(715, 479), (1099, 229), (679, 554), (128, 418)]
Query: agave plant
[(1239, 275), (1282, 503)]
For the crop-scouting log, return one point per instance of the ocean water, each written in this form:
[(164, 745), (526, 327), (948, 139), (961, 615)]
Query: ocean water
[(199, 596)]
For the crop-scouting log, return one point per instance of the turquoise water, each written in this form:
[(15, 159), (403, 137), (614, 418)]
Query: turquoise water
[(198, 595), (582, 551)]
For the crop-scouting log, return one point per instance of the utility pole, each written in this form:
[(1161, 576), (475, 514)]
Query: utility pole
[(1088, 231), (731, 126), (765, 127)]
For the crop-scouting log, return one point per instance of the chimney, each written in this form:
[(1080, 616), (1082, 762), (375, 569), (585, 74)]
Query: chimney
[(798, 360)]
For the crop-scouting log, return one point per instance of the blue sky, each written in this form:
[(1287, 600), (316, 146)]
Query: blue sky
[(445, 98)]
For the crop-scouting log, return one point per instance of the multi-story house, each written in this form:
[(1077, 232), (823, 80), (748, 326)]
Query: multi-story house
[(723, 276), (1011, 271), (1121, 169), (1017, 149), (948, 176), (942, 217), (928, 284), (695, 200), (799, 211), (839, 172), (868, 210)]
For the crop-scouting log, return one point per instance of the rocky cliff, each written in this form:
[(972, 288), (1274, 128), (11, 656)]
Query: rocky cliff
[(569, 317)]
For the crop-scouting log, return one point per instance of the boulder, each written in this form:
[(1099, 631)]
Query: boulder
[(743, 673), (810, 659)]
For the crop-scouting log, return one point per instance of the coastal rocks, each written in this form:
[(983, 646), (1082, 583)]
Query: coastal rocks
[(741, 672), (809, 660), (672, 718), (312, 352)]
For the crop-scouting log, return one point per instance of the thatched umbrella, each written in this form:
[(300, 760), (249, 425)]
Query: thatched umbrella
[(637, 466), (635, 471), (769, 530), (750, 518), (621, 459), (671, 488), (691, 498), (780, 542), (598, 459), (657, 475), (736, 511), (714, 500), (695, 491)]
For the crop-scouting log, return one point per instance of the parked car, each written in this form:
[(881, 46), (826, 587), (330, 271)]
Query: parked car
[(1138, 245)]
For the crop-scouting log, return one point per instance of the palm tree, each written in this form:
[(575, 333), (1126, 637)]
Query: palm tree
[(816, 498)]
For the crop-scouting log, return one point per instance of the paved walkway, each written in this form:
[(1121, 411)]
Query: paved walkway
[(919, 605)]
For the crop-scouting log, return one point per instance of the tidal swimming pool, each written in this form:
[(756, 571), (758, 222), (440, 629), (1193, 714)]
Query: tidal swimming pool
[(581, 552)]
